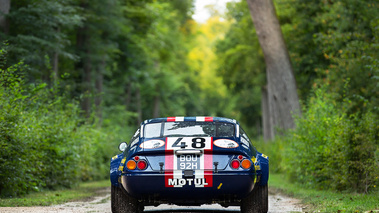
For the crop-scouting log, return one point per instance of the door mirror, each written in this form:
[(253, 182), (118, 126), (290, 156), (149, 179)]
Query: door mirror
[(122, 146)]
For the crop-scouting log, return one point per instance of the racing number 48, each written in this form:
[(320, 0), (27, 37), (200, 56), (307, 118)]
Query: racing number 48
[(197, 143)]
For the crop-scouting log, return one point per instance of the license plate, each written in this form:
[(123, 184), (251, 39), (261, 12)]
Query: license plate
[(188, 162)]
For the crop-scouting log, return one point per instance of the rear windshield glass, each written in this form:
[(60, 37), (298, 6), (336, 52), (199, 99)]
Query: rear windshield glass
[(189, 128)]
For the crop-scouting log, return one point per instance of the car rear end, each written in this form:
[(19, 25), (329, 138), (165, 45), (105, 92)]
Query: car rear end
[(207, 163)]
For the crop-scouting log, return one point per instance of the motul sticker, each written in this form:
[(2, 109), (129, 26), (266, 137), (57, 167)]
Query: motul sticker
[(181, 182), (201, 163)]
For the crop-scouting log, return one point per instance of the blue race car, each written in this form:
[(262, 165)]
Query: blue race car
[(189, 161)]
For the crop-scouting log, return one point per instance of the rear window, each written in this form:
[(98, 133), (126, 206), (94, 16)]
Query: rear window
[(189, 128)]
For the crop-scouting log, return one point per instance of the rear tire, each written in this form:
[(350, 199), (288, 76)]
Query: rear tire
[(114, 199), (256, 201), (265, 199), (121, 202)]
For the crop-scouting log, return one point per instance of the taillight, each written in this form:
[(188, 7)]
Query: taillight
[(142, 164), (240, 157), (131, 165), (136, 158), (235, 164), (246, 164)]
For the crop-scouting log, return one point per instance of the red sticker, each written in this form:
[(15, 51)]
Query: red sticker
[(208, 119), (171, 119)]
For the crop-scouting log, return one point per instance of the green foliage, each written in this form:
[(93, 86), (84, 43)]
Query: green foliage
[(151, 60), (275, 150), (131, 45), (333, 45), (44, 141), (332, 41), (40, 28), (329, 149), (325, 200), (241, 65)]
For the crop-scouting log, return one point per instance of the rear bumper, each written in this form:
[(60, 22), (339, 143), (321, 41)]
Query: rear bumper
[(227, 188)]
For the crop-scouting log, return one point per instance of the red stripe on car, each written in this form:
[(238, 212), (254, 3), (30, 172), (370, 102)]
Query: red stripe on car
[(171, 119), (208, 119), (169, 165), (208, 165)]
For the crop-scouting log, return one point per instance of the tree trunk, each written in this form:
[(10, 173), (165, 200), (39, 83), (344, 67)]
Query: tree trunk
[(282, 92), (99, 91), (87, 85), (55, 63), (55, 67), (84, 65), (128, 91), (268, 133), (5, 6)]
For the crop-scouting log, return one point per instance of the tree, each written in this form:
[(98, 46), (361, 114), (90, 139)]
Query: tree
[(37, 32), (95, 42), (282, 92), (5, 6)]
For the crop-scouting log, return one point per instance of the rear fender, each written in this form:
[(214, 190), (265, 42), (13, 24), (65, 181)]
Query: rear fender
[(262, 168), (117, 165)]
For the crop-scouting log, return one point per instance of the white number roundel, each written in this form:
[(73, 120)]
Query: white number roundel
[(152, 144), (225, 143)]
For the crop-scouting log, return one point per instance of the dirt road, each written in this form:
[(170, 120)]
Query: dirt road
[(277, 203)]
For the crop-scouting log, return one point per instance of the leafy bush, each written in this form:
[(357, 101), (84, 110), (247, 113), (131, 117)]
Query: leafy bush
[(13, 157), (330, 149), (274, 150), (38, 141), (43, 140)]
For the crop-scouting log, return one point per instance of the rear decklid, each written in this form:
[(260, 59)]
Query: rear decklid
[(188, 150)]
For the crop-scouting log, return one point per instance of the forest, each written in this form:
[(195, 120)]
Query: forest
[(77, 77)]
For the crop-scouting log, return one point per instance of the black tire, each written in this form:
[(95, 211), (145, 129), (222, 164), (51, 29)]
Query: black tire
[(121, 202), (114, 203), (256, 201), (265, 199)]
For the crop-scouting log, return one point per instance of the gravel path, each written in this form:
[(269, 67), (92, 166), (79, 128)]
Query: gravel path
[(277, 203)]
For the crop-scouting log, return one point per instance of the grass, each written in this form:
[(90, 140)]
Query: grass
[(46, 198), (326, 201)]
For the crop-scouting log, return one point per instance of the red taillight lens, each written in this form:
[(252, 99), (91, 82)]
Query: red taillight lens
[(240, 157), (136, 158), (142, 164), (235, 164)]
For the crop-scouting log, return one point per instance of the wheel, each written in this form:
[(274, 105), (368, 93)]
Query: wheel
[(121, 202), (265, 199), (256, 201), (114, 199)]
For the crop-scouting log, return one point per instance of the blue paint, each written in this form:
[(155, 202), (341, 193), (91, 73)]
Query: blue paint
[(229, 185)]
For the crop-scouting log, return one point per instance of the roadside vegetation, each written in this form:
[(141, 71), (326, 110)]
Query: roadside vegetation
[(334, 50), (45, 142), (48, 197), (334, 148), (327, 200), (338, 152), (337, 168)]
